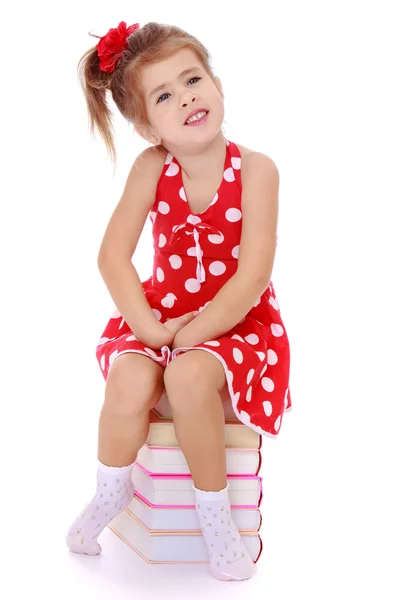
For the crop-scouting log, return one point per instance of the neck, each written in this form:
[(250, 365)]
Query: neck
[(201, 163)]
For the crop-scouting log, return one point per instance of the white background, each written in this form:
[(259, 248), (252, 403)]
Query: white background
[(327, 89)]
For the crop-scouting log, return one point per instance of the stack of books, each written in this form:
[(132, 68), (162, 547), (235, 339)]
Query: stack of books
[(161, 523)]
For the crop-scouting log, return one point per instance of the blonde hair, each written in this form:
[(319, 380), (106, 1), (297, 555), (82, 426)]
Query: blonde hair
[(146, 45)]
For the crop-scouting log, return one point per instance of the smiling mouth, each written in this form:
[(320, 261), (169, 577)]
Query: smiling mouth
[(198, 120)]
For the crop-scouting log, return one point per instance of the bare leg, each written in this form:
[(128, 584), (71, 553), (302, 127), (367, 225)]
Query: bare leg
[(133, 387), (194, 382)]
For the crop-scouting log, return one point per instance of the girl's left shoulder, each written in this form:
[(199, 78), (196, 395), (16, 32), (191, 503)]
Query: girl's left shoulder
[(258, 158)]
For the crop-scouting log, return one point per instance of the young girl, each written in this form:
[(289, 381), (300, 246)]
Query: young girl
[(206, 326)]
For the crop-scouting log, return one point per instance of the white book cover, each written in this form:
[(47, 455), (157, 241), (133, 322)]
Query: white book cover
[(171, 547), (176, 490), (169, 460), (167, 518)]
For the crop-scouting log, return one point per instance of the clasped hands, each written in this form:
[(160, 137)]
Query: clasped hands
[(176, 325)]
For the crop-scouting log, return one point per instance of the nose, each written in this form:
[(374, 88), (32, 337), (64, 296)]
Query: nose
[(193, 99)]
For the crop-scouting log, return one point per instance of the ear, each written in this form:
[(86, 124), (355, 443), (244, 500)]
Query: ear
[(147, 135), (144, 132)]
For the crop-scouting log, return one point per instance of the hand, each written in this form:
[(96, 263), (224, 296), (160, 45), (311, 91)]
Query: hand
[(174, 325), (176, 342)]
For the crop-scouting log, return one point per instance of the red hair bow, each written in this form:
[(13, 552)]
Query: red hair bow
[(111, 46)]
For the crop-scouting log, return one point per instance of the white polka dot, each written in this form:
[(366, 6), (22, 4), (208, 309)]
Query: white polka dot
[(193, 219), (236, 336), (272, 357), (182, 194), (235, 252), (261, 355), (160, 275), (250, 375), (169, 300), (131, 338), (212, 343), (192, 251), (176, 261), (121, 323), (172, 170), (152, 215), (257, 302), (163, 207), (267, 408), (217, 267), (252, 338), (277, 422), (233, 215), (237, 396), (236, 162), (229, 174), (216, 238), (103, 361), (286, 398), (267, 384), (229, 377), (113, 356), (237, 355), (103, 340), (157, 314), (277, 329), (215, 198), (249, 394), (150, 351), (162, 240), (192, 285), (245, 418), (273, 302), (263, 370)]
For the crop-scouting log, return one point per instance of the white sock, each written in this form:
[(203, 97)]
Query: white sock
[(229, 559), (114, 493)]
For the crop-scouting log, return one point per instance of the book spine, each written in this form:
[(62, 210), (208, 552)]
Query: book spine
[(192, 506), (189, 476)]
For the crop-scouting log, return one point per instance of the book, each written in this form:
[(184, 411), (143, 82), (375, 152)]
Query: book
[(172, 546), (161, 460), (162, 490), (164, 411), (165, 518), (237, 435)]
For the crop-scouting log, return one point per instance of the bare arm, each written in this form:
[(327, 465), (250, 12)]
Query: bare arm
[(118, 246), (231, 303), (125, 287)]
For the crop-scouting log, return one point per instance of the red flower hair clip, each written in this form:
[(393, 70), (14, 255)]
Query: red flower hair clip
[(111, 46)]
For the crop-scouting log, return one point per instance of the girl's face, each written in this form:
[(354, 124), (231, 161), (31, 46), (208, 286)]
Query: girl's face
[(181, 93)]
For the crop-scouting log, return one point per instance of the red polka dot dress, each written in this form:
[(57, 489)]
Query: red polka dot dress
[(194, 256)]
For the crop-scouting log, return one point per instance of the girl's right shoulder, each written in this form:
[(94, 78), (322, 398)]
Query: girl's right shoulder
[(129, 216), (152, 158)]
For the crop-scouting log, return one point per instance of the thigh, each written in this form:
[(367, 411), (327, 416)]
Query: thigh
[(135, 381), (196, 369)]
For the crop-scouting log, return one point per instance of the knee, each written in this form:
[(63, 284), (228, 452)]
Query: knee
[(131, 387), (186, 379)]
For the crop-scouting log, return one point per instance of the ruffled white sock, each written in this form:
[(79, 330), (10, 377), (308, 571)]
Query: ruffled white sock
[(114, 492), (229, 559)]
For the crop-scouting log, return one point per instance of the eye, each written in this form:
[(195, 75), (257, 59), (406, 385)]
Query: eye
[(198, 78)]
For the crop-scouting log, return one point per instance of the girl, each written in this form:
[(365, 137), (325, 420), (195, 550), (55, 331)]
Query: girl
[(206, 326)]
